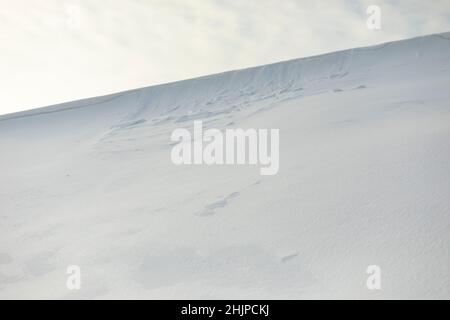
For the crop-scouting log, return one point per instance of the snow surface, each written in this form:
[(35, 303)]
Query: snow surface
[(364, 180)]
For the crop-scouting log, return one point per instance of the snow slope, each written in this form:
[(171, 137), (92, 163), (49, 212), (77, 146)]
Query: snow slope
[(364, 180)]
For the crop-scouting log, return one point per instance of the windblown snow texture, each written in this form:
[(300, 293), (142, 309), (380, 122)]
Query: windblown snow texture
[(364, 180)]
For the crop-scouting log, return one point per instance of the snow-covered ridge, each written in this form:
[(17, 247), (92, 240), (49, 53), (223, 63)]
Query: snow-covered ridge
[(282, 80), (363, 180)]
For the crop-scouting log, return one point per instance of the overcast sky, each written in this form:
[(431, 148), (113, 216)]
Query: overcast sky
[(55, 51)]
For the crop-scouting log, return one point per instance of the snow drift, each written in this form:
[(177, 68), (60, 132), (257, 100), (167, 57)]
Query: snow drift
[(364, 180)]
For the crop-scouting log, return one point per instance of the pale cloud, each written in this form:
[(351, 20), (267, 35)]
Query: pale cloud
[(54, 51)]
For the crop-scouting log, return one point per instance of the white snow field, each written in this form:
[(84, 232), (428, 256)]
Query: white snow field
[(364, 180)]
